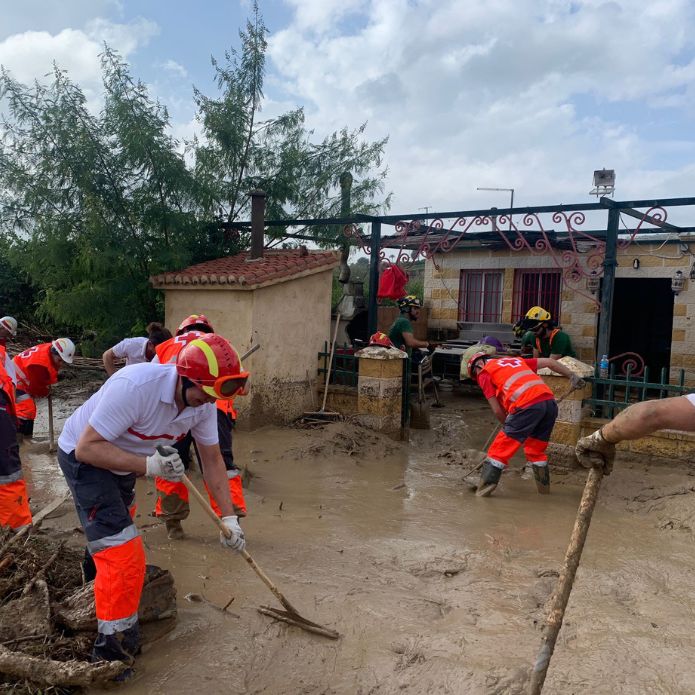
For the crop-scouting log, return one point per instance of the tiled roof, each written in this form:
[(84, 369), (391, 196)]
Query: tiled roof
[(238, 272)]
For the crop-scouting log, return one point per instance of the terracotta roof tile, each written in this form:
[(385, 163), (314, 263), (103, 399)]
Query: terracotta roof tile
[(238, 270)]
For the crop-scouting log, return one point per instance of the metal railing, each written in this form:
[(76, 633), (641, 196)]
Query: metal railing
[(344, 370), (613, 393)]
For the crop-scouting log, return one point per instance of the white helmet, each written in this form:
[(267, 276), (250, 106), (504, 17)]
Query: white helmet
[(65, 348), (9, 324)]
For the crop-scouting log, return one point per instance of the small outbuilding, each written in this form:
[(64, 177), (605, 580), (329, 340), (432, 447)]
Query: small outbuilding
[(282, 300)]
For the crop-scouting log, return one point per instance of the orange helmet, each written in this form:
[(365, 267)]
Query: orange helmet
[(199, 322), (381, 339), (211, 363)]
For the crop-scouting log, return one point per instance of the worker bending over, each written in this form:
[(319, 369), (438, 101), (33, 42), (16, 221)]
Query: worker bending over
[(136, 350)]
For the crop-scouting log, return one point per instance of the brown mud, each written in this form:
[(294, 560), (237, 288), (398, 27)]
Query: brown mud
[(432, 589)]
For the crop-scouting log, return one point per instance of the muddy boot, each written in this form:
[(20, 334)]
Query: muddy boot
[(174, 530), (541, 474), (489, 477)]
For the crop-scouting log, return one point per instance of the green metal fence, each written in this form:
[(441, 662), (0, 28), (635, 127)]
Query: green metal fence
[(345, 367), (613, 393)]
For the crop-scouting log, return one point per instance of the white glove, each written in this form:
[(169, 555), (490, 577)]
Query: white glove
[(237, 540), (165, 463)]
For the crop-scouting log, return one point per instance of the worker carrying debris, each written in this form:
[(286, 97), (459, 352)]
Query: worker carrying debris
[(125, 430), (172, 498), (136, 350), (37, 369), (540, 336), (524, 405), (639, 420), (14, 503)]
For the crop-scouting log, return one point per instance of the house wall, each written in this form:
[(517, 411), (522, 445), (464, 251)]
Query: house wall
[(290, 320), (578, 314)]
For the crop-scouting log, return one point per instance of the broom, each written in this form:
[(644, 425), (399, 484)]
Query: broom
[(322, 414)]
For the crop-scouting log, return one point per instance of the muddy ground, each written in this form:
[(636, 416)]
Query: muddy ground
[(432, 589)]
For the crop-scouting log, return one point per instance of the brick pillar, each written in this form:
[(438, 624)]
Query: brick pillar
[(379, 389), (568, 425)]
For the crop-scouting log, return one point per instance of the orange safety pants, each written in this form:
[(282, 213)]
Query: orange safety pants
[(14, 502), (104, 503)]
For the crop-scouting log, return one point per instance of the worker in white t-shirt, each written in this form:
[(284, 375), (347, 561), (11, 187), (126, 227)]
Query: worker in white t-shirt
[(639, 420), (126, 430), (136, 350)]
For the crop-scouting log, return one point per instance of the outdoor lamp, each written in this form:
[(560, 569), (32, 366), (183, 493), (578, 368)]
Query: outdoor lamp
[(635, 263), (593, 282), (677, 282), (692, 271)]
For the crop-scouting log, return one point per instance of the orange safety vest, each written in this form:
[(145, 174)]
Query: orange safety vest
[(515, 383), (169, 350), (553, 333), (35, 381), (7, 385)]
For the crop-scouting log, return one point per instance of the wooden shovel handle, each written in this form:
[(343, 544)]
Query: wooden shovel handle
[(228, 534)]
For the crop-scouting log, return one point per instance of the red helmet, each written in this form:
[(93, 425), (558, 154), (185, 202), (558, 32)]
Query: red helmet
[(381, 339), (211, 363), (198, 321)]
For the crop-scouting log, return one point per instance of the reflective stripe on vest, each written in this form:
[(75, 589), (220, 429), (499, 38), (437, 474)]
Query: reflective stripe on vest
[(127, 534), (514, 382)]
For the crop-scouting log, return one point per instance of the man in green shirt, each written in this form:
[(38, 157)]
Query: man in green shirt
[(401, 331), (544, 339)]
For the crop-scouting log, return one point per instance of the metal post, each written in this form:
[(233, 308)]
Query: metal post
[(345, 205), (374, 276), (608, 289)]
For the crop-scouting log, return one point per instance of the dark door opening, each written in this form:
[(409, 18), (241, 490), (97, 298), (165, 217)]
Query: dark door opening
[(643, 321)]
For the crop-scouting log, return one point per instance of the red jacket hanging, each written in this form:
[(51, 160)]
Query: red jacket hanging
[(392, 283)]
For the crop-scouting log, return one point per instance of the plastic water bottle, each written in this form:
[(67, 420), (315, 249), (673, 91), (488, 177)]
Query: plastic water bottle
[(603, 367)]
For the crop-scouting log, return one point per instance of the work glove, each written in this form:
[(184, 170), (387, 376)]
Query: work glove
[(576, 382), (236, 541), (165, 463), (595, 450)]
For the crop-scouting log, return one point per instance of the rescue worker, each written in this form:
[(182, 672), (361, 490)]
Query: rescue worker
[(37, 369), (172, 498), (523, 404), (638, 420), (542, 337), (136, 350), (401, 333), (126, 430), (8, 330), (14, 503)]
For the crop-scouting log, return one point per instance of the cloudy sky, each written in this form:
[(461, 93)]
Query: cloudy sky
[(526, 94)]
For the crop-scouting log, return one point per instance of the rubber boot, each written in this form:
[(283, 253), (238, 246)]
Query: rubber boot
[(489, 477), (174, 530), (541, 474)]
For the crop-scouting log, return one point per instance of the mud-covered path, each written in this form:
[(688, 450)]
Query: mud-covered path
[(432, 589)]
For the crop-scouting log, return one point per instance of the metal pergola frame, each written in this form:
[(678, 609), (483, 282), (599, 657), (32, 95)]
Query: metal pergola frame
[(612, 232)]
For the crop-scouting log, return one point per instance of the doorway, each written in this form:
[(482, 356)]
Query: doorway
[(643, 321)]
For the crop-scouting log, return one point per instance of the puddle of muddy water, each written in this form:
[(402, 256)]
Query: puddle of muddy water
[(432, 589)]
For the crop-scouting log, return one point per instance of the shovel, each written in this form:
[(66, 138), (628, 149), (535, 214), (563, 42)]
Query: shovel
[(290, 615)]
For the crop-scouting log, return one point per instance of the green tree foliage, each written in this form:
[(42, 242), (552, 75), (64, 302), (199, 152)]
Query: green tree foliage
[(94, 203)]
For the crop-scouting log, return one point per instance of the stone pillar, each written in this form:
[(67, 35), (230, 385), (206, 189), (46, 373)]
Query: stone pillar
[(568, 425), (380, 389)]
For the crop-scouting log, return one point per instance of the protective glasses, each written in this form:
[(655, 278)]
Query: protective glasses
[(227, 386)]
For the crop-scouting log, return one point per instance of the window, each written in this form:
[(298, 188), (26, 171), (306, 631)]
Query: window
[(480, 296), (536, 288)]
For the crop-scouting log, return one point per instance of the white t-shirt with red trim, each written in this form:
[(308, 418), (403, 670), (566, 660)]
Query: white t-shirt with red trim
[(135, 410), (132, 349)]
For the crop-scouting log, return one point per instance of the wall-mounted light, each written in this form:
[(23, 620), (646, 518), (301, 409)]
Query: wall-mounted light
[(635, 263), (593, 282), (678, 282), (692, 272)]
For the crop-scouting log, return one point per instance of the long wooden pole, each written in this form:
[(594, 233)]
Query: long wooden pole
[(51, 431), (561, 595), (330, 363)]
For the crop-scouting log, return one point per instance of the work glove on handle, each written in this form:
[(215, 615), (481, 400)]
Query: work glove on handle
[(596, 451), (576, 382), (165, 463), (236, 541)]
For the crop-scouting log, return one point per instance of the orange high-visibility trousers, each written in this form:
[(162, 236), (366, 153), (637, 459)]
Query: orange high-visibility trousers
[(14, 502)]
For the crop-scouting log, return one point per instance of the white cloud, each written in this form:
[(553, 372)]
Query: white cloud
[(176, 69), (498, 92)]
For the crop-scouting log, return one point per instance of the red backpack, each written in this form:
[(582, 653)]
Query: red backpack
[(392, 283)]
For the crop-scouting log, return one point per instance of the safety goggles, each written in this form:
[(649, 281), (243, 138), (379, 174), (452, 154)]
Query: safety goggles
[(227, 386)]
